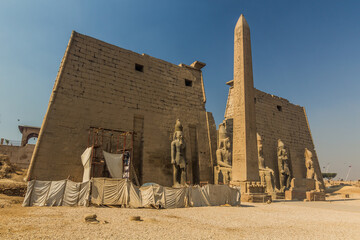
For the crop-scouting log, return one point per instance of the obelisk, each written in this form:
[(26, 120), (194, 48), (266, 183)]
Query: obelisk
[(245, 158)]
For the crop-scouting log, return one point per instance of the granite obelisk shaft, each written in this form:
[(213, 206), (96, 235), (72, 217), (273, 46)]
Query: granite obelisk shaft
[(245, 158)]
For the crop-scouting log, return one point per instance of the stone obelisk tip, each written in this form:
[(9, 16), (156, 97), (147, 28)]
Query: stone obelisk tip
[(241, 22)]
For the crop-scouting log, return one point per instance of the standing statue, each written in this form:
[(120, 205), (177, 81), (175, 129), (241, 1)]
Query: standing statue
[(284, 169), (178, 155), (223, 153), (310, 171), (266, 174), (260, 151)]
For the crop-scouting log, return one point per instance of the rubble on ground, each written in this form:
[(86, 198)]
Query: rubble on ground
[(11, 178)]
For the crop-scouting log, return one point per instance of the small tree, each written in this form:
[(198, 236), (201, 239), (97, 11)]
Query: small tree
[(329, 176)]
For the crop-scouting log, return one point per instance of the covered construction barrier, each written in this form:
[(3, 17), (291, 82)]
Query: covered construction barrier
[(57, 193), (109, 191)]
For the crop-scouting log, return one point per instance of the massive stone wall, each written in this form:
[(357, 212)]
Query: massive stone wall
[(98, 86), (277, 118)]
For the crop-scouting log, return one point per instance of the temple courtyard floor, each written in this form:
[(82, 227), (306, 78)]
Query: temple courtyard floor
[(338, 218)]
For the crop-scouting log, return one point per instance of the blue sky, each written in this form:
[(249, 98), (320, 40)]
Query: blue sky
[(305, 51)]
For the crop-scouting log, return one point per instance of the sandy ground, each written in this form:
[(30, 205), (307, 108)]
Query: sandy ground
[(336, 219)]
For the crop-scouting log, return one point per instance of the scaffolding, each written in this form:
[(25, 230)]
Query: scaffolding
[(112, 141)]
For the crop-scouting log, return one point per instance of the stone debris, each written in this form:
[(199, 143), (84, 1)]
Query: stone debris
[(91, 218), (5, 166), (11, 182), (135, 218), (226, 205)]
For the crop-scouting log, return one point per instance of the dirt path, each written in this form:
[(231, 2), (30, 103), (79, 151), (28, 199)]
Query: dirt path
[(279, 220)]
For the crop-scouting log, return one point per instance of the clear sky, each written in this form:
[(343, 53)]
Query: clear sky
[(305, 51)]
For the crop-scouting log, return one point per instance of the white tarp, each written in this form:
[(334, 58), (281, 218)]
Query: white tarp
[(76, 194), (57, 193), (108, 191), (134, 196), (36, 193), (86, 162), (152, 196), (213, 195), (114, 163), (197, 198), (175, 197)]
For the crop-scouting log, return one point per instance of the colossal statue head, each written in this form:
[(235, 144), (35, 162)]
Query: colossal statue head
[(222, 132), (178, 125)]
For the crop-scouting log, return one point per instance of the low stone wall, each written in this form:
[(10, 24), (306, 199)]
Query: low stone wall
[(19, 155)]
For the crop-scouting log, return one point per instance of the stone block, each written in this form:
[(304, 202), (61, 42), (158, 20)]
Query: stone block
[(315, 196), (277, 195), (302, 184), (295, 195), (255, 197)]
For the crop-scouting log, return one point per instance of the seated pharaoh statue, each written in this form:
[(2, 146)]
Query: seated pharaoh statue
[(178, 156), (222, 169), (266, 173), (284, 168)]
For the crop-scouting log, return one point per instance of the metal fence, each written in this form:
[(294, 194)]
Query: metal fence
[(8, 142)]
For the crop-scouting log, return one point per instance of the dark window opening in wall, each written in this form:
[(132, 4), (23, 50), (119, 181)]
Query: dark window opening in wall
[(139, 67), (254, 100), (279, 108), (188, 83)]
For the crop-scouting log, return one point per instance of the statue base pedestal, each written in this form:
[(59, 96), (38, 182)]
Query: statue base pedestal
[(277, 195), (255, 197), (315, 196), (252, 191), (303, 188), (295, 195)]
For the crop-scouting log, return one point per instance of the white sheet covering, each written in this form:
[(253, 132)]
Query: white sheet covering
[(114, 163), (152, 196), (175, 197), (197, 198), (108, 191), (86, 162), (57, 193), (71, 195), (39, 193), (134, 196), (121, 192)]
